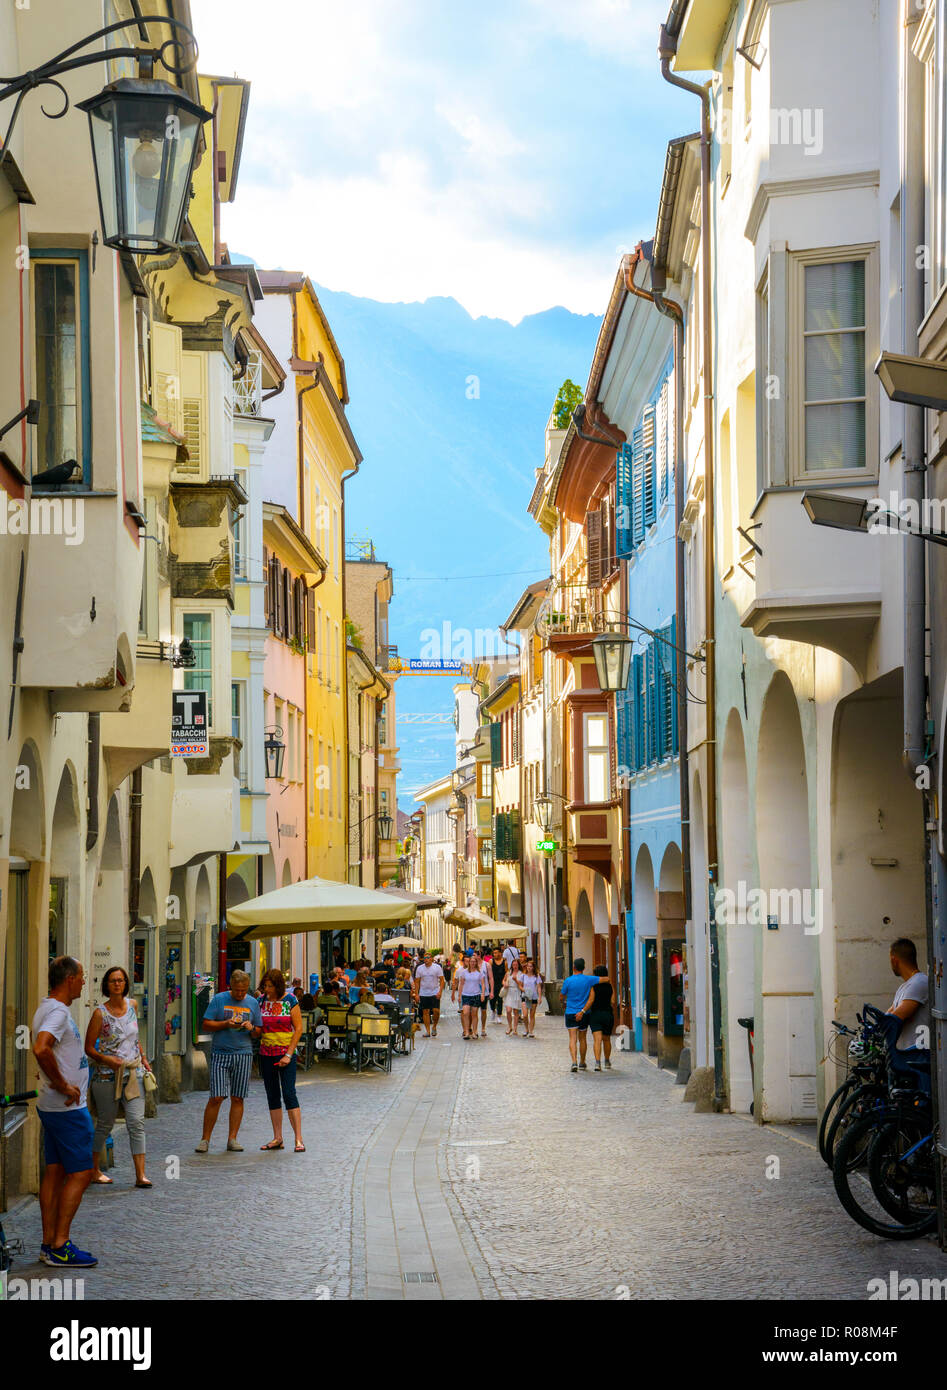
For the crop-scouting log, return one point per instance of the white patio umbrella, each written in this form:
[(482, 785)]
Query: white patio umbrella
[(401, 941), (497, 931), (316, 904)]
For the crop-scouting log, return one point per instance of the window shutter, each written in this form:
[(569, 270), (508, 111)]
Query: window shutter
[(311, 619), (639, 674), (663, 441), (624, 496), (637, 487), (167, 373), (496, 744), (299, 611), (651, 710), (266, 587), (514, 836), (593, 532), (648, 499), (272, 584), (285, 602), (193, 422), (515, 726), (674, 743)]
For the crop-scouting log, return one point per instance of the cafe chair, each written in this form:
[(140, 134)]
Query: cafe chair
[(371, 1042)]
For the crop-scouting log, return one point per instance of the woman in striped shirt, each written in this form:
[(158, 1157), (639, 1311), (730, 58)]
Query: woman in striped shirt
[(282, 1029)]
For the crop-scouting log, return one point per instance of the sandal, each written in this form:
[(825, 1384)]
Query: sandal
[(273, 1144), (103, 1181), (300, 1149), (145, 1183)]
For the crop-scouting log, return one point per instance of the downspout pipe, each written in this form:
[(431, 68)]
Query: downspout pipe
[(917, 747), (134, 849), (913, 466), (667, 48), (675, 313)]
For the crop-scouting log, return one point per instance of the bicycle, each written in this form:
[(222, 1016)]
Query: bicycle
[(863, 1090), (897, 1200), (9, 1248)]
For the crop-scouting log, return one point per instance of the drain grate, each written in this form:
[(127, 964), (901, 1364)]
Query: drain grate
[(424, 1277)]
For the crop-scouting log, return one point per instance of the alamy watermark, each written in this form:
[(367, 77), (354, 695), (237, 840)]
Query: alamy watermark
[(43, 516), (770, 907)]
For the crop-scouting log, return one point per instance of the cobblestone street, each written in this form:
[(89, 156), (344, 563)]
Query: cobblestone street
[(495, 1169)]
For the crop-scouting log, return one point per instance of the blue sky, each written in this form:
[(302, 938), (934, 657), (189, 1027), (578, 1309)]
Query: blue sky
[(504, 155)]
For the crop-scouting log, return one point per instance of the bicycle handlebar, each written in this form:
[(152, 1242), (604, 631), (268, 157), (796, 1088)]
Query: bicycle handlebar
[(17, 1098)]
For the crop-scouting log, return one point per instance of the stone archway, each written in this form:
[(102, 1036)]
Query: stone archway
[(645, 909), (785, 1048), (109, 930)]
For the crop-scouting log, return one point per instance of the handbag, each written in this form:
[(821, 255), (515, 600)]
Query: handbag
[(149, 1082)]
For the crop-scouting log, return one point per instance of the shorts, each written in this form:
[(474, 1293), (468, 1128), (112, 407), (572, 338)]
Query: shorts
[(602, 1022), (67, 1138), (573, 1021), (471, 1001), (429, 1001), (230, 1074)]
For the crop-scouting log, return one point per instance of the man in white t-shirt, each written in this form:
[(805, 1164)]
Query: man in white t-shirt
[(64, 1114), (910, 998), (428, 987), (511, 955)]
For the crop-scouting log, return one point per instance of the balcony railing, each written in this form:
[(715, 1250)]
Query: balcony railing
[(248, 389), (572, 609)]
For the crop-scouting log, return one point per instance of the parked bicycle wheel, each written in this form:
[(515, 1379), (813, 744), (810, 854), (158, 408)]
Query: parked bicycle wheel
[(860, 1102), (855, 1191), (829, 1113), (901, 1172)]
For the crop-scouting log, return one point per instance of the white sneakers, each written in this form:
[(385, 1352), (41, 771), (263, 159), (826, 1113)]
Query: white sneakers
[(202, 1147)]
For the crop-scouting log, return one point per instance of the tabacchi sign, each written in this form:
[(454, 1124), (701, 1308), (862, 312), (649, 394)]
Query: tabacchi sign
[(189, 723)]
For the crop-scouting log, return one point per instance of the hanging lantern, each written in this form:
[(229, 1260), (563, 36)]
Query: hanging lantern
[(144, 142), (612, 653)]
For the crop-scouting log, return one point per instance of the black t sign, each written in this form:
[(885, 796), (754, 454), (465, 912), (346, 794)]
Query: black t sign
[(189, 723)]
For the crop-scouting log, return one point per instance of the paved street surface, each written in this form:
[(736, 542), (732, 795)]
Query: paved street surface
[(482, 1170)]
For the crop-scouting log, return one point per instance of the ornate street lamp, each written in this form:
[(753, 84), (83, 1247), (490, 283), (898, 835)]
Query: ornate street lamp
[(275, 749), (144, 142), (486, 855), (144, 134), (384, 824), (542, 810), (612, 653)]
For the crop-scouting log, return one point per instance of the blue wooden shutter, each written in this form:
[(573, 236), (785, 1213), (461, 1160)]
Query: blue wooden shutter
[(637, 487), (651, 706), (624, 498), (648, 489), (638, 682), (672, 629)]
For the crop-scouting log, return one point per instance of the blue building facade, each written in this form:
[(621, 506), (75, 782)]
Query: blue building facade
[(637, 394)]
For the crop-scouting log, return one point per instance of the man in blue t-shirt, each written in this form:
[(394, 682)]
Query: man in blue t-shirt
[(234, 1018), (575, 992)]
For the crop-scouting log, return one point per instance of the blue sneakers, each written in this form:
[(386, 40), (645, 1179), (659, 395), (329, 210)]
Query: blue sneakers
[(69, 1256), (44, 1255)]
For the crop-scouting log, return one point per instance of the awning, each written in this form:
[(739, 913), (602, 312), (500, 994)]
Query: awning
[(316, 904), (497, 931), (420, 900), (466, 917)]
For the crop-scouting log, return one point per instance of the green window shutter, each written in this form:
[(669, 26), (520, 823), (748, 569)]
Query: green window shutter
[(639, 674), (651, 708), (496, 744), (514, 834)]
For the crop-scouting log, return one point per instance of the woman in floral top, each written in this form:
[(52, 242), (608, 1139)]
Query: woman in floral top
[(282, 1029)]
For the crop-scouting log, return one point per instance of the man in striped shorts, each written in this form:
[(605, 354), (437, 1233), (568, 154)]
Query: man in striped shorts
[(234, 1018)]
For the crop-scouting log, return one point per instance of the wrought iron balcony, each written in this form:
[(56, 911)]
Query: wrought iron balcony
[(573, 609)]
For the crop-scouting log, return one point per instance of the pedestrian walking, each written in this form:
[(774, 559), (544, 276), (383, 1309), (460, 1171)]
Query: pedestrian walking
[(119, 1066), (485, 965), (282, 1023), (532, 995), (575, 993), (513, 997), (64, 1115), (234, 1019), (511, 954), (498, 968), (470, 984), (428, 988), (601, 1017)]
